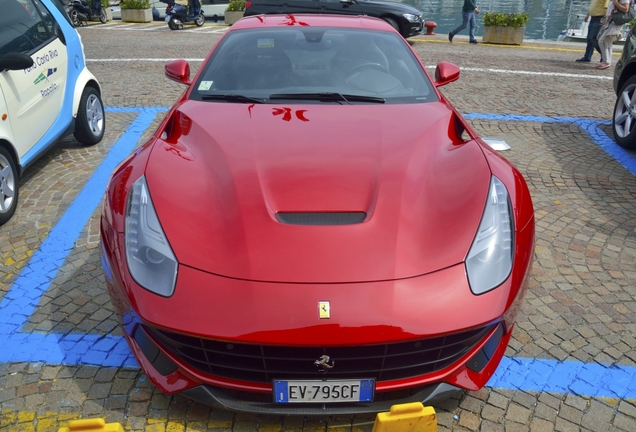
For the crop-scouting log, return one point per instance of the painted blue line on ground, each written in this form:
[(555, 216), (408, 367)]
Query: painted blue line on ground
[(624, 157), (540, 375)]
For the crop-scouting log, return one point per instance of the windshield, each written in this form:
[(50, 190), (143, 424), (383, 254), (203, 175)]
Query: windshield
[(313, 65)]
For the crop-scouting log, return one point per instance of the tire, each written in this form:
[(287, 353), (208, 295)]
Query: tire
[(91, 121), (393, 23), (173, 25), (200, 20), (624, 118), (9, 191), (75, 18), (102, 17)]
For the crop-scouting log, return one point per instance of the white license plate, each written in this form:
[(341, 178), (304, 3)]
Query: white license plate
[(167, 18), (310, 391)]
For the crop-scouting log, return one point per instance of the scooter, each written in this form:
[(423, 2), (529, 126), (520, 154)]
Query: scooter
[(81, 12), (177, 15)]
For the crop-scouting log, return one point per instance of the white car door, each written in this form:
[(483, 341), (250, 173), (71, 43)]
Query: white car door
[(33, 96)]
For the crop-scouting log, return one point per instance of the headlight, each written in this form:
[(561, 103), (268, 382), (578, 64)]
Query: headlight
[(412, 18), (489, 260), (150, 259)]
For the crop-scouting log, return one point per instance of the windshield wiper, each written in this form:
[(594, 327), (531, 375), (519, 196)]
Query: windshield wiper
[(233, 98), (327, 97)]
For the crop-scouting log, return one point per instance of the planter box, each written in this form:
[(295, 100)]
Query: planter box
[(503, 35), (109, 14), (136, 15), (232, 16)]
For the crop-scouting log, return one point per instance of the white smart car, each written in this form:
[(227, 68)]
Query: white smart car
[(46, 91)]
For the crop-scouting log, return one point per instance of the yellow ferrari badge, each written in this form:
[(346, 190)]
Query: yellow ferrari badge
[(324, 310)]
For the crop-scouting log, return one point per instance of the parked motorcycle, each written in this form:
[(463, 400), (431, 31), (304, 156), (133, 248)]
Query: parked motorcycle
[(177, 14), (81, 12)]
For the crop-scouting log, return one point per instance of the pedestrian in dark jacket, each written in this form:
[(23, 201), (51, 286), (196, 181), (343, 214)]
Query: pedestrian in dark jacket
[(469, 10)]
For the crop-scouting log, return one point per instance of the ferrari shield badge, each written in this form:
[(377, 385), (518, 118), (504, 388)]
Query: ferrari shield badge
[(324, 310)]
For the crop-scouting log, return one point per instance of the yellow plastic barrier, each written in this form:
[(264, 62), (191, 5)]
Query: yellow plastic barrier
[(409, 417), (92, 425)]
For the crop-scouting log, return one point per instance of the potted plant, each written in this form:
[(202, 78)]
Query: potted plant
[(136, 11), (504, 28), (234, 11)]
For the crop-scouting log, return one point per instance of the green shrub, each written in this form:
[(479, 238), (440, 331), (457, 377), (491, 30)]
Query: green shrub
[(236, 6), (105, 4), (135, 4), (500, 19)]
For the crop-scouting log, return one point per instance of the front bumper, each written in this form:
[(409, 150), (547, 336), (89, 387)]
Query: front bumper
[(206, 306), (220, 398)]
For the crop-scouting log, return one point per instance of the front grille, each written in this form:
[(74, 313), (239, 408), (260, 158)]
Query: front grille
[(263, 363)]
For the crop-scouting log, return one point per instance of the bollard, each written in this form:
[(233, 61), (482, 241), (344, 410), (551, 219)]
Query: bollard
[(91, 425), (408, 417), (430, 27)]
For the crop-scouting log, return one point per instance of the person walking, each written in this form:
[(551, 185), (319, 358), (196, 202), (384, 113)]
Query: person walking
[(610, 32), (598, 8), (469, 10)]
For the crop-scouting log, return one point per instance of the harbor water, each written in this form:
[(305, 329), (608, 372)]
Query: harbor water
[(548, 18)]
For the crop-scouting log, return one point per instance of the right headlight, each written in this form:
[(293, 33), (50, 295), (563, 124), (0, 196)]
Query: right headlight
[(412, 18), (489, 260), (150, 259)]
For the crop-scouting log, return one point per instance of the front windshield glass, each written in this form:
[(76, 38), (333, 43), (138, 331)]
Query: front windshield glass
[(313, 65)]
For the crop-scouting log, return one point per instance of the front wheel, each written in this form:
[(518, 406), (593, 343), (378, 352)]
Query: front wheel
[(91, 121), (624, 118), (74, 16), (8, 186), (102, 16), (392, 23), (200, 20)]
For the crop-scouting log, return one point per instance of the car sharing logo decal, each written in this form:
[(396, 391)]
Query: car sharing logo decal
[(43, 76)]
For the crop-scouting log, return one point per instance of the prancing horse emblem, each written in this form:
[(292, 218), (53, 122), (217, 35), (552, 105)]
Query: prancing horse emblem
[(324, 363)]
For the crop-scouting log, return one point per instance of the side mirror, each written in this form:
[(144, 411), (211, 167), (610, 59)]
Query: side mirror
[(445, 73), (59, 33), (178, 71), (15, 61)]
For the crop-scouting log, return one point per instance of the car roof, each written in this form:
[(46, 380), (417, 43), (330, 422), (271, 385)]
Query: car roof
[(318, 20)]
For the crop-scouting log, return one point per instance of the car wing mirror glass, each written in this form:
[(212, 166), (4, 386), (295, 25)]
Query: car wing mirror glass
[(445, 73), (178, 71), (15, 61)]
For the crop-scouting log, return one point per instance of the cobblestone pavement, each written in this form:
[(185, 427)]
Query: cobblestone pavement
[(580, 307)]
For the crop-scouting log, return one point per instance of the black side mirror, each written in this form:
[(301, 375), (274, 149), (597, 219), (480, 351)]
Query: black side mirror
[(15, 61), (59, 33)]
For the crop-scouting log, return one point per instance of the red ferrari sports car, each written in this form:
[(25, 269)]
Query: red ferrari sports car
[(314, 229)]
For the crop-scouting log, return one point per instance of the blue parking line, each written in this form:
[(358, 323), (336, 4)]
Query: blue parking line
[(527, 374), (622, 156)]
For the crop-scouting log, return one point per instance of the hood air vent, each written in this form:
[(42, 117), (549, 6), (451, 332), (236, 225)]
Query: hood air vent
[(326, 218)]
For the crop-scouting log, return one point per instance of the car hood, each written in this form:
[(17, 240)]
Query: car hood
[(395, 7), (217, 190)]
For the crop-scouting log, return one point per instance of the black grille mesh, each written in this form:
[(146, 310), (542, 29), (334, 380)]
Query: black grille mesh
[(326, 218), (263, 363)]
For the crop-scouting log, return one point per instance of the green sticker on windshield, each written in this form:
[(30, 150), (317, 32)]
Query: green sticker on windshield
[(266, 43)]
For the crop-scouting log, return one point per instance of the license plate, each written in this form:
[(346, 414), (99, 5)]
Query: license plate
[(167, 18), (324, 391)]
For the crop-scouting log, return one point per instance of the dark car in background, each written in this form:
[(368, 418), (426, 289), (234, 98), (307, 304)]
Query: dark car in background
[(624, 118), (406, 19)]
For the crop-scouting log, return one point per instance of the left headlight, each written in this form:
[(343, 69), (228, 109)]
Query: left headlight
[(489, 260), (150, 259), (412, 17)]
